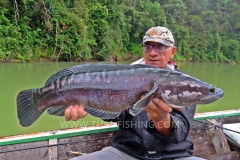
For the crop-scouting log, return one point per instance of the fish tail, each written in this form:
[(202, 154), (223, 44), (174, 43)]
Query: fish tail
[(27, 108)]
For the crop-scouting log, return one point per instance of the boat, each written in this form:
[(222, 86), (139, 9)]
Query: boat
[(209, 133)]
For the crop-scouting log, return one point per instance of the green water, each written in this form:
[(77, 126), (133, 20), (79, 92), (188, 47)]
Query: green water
[(19, 76)]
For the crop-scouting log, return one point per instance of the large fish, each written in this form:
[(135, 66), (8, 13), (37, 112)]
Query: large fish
[(107, 89)]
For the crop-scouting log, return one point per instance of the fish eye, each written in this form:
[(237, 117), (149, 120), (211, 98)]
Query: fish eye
[(212, 90)]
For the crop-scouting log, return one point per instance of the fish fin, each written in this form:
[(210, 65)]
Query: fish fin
[(140, 105), (100, 113), (78, 69), (62, 73), (75, 70), (178, 107), (26, 108), (57, 110)]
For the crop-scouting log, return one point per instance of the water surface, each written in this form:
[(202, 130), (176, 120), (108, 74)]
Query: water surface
[(19, 76)]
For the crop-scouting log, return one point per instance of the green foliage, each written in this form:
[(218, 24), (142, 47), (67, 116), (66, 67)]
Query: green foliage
[(226, 5), (175, 11), (231, 49), (136, 49), (213, 48), (81, 30)]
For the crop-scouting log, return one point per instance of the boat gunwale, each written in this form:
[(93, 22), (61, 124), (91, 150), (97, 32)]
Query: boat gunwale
[(41, 136)]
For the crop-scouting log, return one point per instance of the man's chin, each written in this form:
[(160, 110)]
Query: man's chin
[(155, 63)]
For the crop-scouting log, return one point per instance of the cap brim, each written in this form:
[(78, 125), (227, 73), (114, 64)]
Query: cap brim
[(164, 42)]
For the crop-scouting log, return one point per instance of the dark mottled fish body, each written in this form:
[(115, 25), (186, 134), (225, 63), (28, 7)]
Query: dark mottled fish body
[(107, 89)]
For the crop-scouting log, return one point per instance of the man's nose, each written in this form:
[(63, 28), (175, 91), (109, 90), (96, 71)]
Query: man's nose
[(153, 52)]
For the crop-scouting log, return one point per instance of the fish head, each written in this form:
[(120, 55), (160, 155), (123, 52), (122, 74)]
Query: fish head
[(181, 90), (214, 93)]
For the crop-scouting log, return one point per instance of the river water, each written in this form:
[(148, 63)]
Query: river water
[(20, 76)]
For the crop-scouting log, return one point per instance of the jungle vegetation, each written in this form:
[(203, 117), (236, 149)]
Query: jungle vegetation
[(83, 30)]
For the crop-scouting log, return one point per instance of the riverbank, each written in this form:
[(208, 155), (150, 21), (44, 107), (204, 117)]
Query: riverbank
[(131, 59)]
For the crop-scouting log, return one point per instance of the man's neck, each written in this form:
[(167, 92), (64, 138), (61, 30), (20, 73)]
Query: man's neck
[(141, 61)]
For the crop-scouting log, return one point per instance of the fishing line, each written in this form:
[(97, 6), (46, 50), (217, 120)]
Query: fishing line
[(211, 124), (55, 144)]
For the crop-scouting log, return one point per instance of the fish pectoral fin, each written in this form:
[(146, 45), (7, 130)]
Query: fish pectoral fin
[(140, 105), (100, 113), (177, 107), (135, 112), (57, 110)]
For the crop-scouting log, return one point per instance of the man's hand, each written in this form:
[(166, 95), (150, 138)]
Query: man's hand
[(75, 112), (159, 113), (157, 110)]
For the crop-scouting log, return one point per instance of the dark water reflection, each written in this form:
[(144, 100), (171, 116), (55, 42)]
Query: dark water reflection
[(15, 77)]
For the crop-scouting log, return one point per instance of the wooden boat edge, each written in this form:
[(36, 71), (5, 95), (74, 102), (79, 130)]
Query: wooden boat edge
[(209, 140), (40, 136)]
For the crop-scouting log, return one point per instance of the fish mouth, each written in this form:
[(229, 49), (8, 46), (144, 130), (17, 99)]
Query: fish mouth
[(214, 94)]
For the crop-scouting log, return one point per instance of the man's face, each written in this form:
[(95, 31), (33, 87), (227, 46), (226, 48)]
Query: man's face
[(157, 54)]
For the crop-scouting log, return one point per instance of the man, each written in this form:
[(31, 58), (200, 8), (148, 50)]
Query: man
[(163, 131)]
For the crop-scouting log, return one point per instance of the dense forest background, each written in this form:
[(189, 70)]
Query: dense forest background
[(82, 30)]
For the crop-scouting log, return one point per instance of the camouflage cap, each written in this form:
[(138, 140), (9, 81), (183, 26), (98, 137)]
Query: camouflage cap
[(159, 34)]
